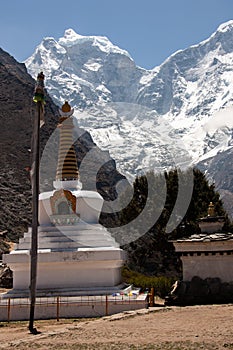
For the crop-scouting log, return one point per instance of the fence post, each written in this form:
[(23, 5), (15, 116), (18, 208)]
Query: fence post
[(9, 310), (106, 305), (152, 296), (58, 308)]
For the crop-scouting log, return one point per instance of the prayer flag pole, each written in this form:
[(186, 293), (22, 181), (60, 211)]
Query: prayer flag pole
[(38, 121)]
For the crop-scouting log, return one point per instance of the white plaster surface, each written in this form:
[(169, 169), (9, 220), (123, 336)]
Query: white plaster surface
[(88, 206), (70, 307), (83, 255), (208, 259), (212, 266)]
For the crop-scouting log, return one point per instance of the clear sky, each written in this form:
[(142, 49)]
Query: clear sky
[(150, 30)]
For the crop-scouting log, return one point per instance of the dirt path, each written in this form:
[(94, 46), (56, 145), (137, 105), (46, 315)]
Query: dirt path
[(196, 327)]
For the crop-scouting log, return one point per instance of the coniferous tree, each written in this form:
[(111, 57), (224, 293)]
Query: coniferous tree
[(153, 201)]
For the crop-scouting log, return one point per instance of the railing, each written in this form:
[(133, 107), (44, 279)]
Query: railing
[(99, 305)]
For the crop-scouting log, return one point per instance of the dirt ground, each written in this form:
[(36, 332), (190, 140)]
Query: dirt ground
[(165, 328)]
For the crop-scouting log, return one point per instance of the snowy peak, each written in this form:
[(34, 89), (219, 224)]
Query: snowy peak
[(87, 70), (218, 44), (49, 53), (71, 35), (71, 38), (221, 39), (224, 27), (196, 81), (141, 116)]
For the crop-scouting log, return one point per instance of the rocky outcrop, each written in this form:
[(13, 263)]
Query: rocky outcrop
[(6, 277), (199, 291), (16, 115)]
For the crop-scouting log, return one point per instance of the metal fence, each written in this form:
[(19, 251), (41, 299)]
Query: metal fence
[(72, 306)]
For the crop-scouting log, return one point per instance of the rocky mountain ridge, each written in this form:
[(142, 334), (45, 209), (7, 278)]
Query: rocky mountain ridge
[(177, 114)]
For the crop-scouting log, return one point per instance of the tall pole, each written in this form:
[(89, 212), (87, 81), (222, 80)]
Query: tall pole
[(39, 99)]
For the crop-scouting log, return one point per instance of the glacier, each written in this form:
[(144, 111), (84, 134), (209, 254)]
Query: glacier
[(177, 114)]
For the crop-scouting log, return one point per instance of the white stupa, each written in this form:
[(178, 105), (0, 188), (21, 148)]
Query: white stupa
[(75, 253)]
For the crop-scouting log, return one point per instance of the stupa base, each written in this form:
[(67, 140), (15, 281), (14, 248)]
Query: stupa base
[(68, 292), (80, 269)]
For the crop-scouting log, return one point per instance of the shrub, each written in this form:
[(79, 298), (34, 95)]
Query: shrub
[(161, 284)]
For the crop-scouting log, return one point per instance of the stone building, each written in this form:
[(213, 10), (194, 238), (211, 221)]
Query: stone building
[(207, 264)]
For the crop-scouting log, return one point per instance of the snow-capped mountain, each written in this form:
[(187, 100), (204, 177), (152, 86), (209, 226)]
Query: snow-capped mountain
[(177, 113)]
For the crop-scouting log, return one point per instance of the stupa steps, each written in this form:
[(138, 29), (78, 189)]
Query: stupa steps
[(80, 226), (68, 239), (86, 233), (65, 245)]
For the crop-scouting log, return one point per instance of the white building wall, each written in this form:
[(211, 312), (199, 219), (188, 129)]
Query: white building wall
[(210, 266)]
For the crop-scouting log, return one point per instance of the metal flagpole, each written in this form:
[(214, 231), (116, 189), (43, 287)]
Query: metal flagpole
[(39, 99)]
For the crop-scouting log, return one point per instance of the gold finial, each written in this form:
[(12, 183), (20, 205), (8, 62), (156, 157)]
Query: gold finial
[(66, 107), (211, 211), (66, 111)]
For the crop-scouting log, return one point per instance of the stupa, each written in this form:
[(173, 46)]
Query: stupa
[(75, 253), (207, 259)]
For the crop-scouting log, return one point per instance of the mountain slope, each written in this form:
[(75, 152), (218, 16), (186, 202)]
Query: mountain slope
[(16, 114)]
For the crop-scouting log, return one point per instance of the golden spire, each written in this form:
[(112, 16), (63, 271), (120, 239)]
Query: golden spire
[(66, 107), (67, 168)]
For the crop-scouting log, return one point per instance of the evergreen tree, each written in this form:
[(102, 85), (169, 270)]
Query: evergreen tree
[(154, 198)]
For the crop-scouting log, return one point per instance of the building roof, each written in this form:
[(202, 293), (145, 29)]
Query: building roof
[(204, 237)]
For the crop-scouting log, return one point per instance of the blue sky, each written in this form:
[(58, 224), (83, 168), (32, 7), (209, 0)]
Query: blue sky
[(150, 30)]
